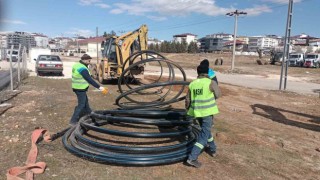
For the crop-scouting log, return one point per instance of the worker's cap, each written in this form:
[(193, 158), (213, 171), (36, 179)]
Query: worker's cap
[(85, 57), (205, 62), (202, 69)]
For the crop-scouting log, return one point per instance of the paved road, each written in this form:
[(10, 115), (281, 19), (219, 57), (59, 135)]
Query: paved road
[(270, 82), (5, 77), (252, 81)]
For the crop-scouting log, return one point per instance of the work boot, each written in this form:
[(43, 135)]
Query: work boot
[(194, 163), (211, 153)]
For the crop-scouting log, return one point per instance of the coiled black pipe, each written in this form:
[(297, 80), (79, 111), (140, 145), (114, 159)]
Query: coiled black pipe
[(78, 142), (95, 138), (156, 102)]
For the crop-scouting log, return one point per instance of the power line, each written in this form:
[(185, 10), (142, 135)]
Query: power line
[(190, 23), (211, 20)]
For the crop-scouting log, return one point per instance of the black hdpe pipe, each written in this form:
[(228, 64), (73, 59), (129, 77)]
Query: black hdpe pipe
[(169, 83), (94, 137), (127, 77), (76, 142)]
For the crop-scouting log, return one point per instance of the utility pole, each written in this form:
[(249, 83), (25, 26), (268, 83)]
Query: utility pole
[(236, 13), (77, 36), (97, 45), (286, 47)]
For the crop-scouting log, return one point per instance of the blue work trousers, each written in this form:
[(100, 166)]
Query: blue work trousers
[(205, 135), (82, 108)]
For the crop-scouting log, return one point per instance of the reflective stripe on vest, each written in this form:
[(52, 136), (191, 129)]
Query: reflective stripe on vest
[(210, 139), (203, 102), (78, 82), (203, 107), (199, 145)]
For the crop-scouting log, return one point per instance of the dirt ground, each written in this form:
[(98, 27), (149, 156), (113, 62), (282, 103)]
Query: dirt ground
[(260, 134), (245, 65)]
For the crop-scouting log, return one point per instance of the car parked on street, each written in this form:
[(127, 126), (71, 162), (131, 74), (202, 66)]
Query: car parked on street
[(49, 64)]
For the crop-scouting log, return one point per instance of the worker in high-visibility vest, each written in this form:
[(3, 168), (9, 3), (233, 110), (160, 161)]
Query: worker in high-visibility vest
[(80, 84), (201, 105)]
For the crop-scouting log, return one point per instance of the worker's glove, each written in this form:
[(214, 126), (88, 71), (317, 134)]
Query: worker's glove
[(104, 90)]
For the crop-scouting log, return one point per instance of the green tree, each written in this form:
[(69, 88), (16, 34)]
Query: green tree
[(157, 48), (193, 47), (151, 47), (173, 47), (112, 33), (163, 47), (184, 46)]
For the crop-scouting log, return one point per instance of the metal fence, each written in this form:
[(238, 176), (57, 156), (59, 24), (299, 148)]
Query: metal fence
[(13, 68)]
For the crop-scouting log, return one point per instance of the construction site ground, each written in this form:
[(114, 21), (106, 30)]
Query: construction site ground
[(260, 134)]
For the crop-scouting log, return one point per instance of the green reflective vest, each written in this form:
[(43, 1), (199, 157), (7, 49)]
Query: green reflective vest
[(78, 82), (202, 102)]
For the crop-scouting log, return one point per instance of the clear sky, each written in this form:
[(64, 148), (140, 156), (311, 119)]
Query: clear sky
[(164, 18)]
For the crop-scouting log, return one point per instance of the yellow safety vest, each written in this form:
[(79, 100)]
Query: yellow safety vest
[(203, 102), (78, 82)]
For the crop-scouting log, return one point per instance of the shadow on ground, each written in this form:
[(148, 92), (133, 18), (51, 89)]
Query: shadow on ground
[(276, 114)]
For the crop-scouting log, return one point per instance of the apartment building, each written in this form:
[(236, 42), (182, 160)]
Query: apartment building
[(15, 38), (262, 42), (214, 42), (187, 37), (41, 40)]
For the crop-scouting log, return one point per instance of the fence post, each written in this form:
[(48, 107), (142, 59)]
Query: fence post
[(24, 61), (19, 75), (11, 68)]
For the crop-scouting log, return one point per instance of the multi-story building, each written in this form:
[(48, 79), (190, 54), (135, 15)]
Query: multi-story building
[(214, 42), (41, 40), (224, 36), (302, 40), (187, 37), (3, 40), (16, 38), (262, 42), (315, 42), (153, 41), (91, 46), (61, 42), (244, 39)]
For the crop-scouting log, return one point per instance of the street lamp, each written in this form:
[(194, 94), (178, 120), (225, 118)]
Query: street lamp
[(235, 14)]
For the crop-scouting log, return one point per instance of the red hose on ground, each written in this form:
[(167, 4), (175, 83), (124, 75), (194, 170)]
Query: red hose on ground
[(32, 167)]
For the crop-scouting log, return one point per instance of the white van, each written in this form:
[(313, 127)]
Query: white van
[(14, 55), (312, 60), (296, 59)]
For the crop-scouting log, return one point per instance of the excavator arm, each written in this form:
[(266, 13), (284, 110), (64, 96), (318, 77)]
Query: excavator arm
[(125, 43)]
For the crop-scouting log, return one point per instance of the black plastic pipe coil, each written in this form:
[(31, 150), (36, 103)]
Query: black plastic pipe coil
[(97, 137)]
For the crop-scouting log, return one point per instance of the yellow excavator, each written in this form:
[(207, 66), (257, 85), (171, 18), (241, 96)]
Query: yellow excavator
[(115, 51)]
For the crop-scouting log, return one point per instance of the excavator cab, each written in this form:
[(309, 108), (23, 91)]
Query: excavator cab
[(116, 50), (109, 50)]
